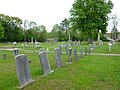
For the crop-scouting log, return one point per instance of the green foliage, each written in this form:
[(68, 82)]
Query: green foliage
[(90, 15), (1, 31)]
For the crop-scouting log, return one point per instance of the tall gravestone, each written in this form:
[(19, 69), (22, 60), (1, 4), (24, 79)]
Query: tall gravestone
[(66, 49), (58, 57), (70, 55), (60, 47), (23, 71), (75, 54), (81, 54), (45, 63)]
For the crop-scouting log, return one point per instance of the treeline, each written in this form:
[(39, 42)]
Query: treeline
[(11, 30)]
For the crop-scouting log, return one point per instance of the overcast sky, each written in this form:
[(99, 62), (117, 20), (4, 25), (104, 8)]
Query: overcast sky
[(43, 12)]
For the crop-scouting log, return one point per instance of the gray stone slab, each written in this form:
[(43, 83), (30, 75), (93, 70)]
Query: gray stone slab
[(70, 55), (23, 71), (45, 63), (4, 56), (66, 49), (81, 53), (60, 47), (58, 57), (75, 54)]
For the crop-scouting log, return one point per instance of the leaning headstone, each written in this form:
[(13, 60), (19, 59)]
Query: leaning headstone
[(58, 57), (70, 56), (4, 56), (66, 49), (75, 54), (60, 47), (23, 71), (86, 51), (45, 63), (81, 54)]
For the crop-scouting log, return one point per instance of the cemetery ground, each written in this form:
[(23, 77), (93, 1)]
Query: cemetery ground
[(92, 72)]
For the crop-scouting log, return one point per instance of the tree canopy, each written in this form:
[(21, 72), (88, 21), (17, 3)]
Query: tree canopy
[(90, 16)]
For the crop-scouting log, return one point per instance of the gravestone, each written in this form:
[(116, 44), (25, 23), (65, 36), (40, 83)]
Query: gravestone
[(60, 47), (86, 51), (81, 54), (58, 57), (75, 54), (23, 71), (70, 55), (4, 56), (45, 63), (66, 49), (15, 51)]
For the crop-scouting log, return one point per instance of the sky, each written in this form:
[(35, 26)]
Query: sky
[(44, 12)]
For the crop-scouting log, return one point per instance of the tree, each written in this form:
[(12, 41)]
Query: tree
[(90, 16), (1, 31), (114, 32)]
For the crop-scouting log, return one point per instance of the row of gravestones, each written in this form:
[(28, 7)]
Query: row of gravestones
[(23, 70)]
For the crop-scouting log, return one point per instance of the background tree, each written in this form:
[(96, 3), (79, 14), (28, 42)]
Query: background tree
[(90, 16)]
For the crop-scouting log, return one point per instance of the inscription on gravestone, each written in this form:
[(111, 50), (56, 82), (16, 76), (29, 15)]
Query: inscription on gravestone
[(45, 63), (23, 71), (75, 54), (58, 57)]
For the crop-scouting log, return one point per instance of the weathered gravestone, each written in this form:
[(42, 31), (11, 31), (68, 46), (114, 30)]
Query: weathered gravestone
[(70, 56), (66, 49), (15, 51), (23, 71), (75, 54), (58, 57), (4, 56), (81, 54), (60, 47), (45, 63)]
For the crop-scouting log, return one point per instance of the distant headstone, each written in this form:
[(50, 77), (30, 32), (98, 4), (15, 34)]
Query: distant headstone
[(45, 63), (15, 51), (23, 71), (60, 47), (47, 49), (66, 49), (58, 57), (86, 51), (4, 56), (70, 55), (22, 44), (81, 53), (14, 43), (75, 54)]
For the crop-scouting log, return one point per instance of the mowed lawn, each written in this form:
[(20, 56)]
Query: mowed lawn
[(91, 72)]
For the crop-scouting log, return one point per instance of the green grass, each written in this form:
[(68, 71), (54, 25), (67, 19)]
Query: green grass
[(88, 73)]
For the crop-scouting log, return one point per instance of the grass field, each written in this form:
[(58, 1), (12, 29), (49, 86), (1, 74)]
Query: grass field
[(88, 73)]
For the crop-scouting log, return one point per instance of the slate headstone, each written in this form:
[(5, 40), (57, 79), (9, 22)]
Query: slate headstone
[(58, 57), (45, 63), (60, 47), (23, 71), (4, 56), (66, 49), (75, 54), (70, 55)]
